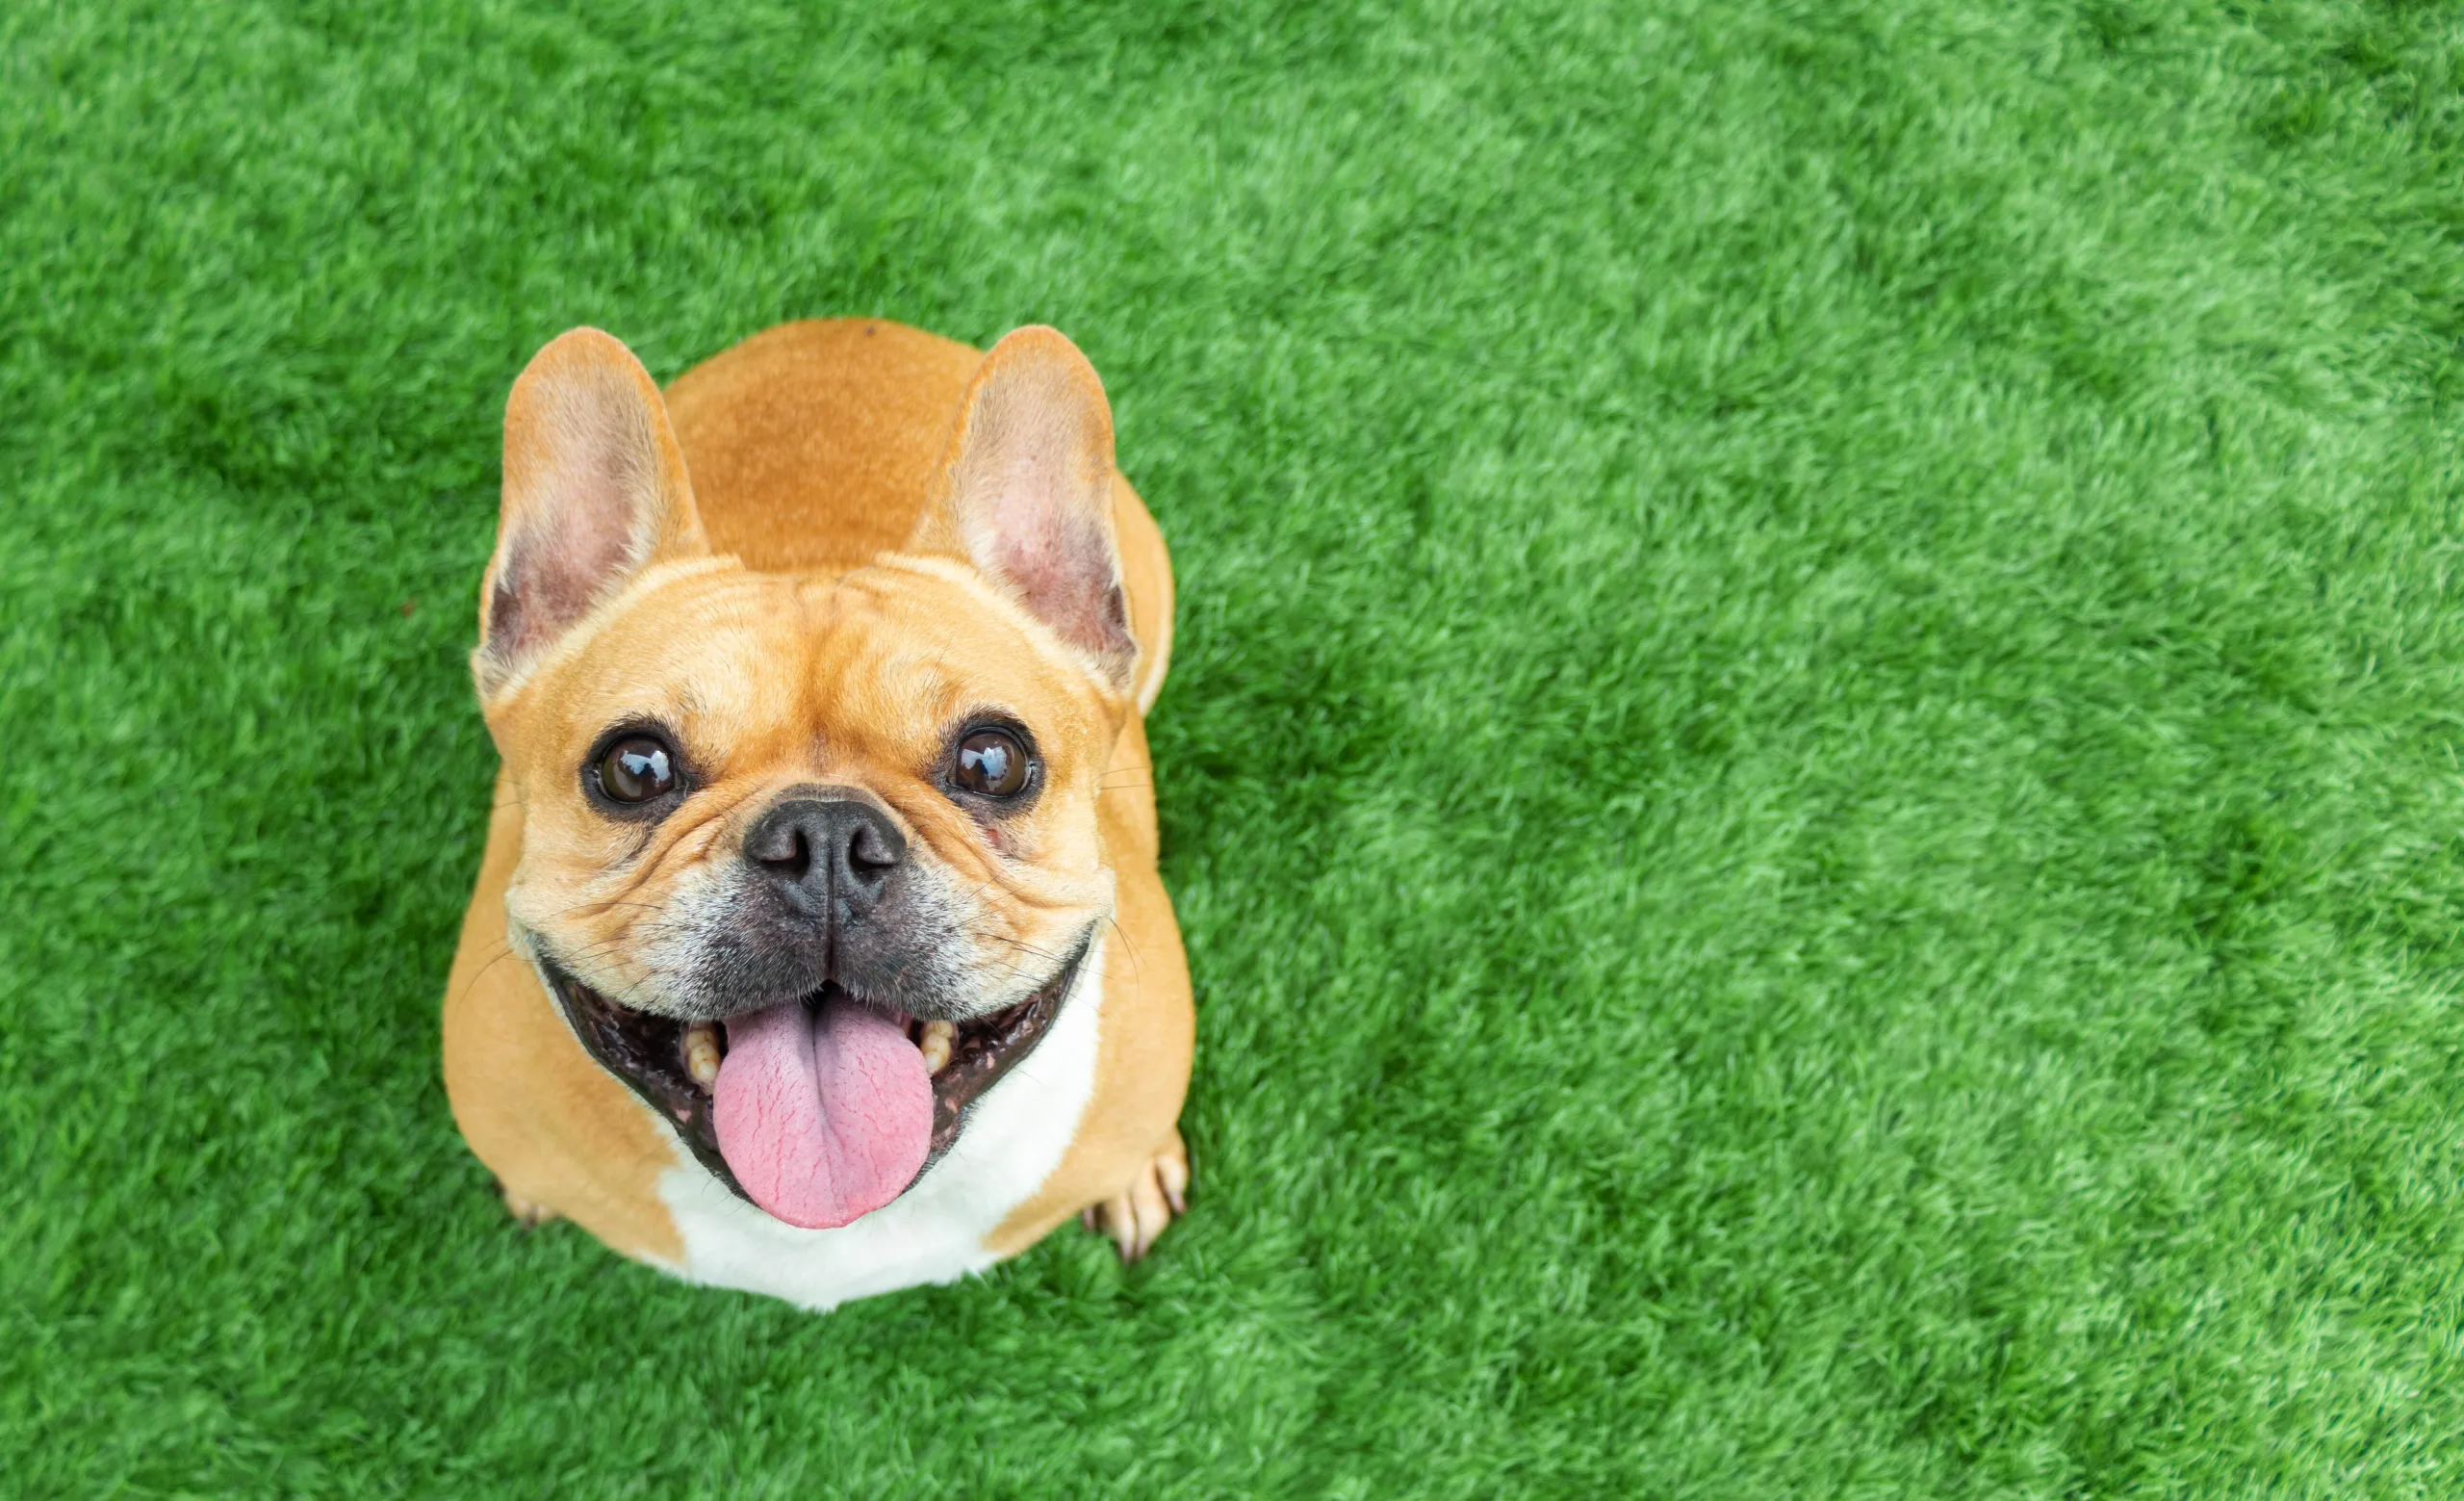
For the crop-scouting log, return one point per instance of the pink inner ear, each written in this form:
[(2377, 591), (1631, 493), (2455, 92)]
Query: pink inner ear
[(585, 490), (550, 582), (1033, 488), (1064, 574)]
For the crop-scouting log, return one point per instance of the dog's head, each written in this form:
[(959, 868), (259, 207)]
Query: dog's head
[(806, 860)]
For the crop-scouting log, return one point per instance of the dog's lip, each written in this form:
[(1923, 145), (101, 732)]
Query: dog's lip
[(646, 1053)]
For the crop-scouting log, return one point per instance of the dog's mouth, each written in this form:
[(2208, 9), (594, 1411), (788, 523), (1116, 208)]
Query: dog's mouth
[(820, 1109)]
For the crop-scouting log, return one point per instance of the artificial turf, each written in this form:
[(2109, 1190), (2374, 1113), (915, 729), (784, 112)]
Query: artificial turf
[(1811, 766)]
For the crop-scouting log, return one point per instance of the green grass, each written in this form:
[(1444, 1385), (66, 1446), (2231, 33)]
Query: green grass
[(1812, 766)]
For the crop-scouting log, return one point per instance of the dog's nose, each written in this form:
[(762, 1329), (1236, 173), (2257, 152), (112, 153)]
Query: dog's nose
[(833, 856)]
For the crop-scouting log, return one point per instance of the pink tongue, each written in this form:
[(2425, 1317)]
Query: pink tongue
[(822, 1119)]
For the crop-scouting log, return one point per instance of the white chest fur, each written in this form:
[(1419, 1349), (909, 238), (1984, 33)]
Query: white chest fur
[(935, 1232)]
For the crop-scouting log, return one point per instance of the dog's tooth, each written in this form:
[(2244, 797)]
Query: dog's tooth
[(702, 1054), (938, 1036)]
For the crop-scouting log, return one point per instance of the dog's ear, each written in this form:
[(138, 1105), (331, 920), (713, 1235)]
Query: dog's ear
[(595, 489), (1026, 494)]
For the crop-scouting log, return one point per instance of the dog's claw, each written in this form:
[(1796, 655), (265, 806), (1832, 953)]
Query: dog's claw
[(1139, 1213), (527, 1213), (1172, 1176)]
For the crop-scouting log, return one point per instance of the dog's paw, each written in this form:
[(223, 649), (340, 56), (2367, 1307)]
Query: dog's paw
[(525, 1214), (1143, 1210)]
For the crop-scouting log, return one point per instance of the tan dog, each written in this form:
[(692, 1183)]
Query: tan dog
[(818, 949)]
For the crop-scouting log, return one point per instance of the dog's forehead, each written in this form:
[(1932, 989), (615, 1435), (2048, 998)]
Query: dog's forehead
[(876, 661)]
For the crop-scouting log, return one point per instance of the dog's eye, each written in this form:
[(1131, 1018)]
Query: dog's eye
[(993, 763), (636, 769)]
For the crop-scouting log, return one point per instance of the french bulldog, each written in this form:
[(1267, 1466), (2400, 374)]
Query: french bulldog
[(818, 948)]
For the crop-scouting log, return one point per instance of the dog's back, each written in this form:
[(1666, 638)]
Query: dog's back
[(814, 447)]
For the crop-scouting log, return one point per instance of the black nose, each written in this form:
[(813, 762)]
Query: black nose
[(833, 856)]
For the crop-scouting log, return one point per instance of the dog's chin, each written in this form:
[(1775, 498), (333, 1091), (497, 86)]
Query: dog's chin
[(674, 1065)]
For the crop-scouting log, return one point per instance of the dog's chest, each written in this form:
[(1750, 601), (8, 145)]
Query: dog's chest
[(1016, 1136)]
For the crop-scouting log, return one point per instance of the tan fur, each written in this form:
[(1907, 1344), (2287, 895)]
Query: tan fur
[(561, 1136), (812, 453)]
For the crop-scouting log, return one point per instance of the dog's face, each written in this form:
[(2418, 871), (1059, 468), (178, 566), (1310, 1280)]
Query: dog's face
[(743, 786), (807, 862)]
